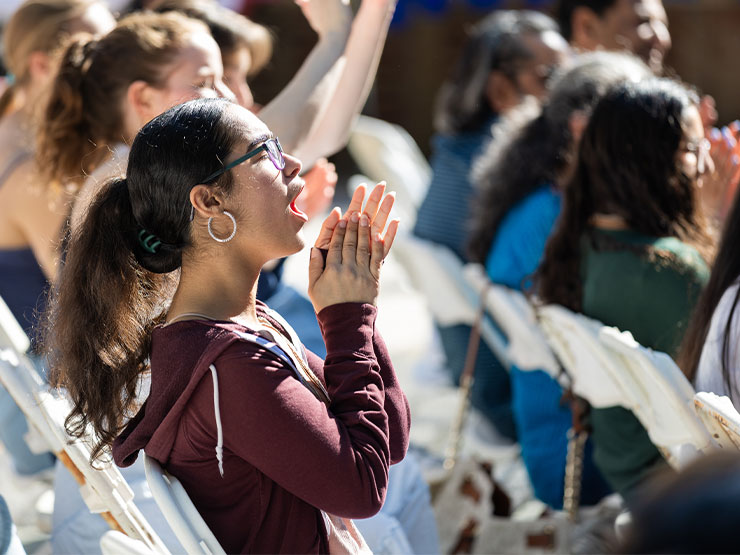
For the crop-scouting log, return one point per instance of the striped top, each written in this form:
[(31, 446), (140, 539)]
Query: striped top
[(444, 216)]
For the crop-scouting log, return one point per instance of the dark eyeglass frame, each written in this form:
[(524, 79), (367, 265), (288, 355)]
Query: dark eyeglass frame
[(277, 158)]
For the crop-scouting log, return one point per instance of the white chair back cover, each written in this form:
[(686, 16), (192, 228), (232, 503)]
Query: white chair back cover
[(527, 347), (385, 151), (104, 489), (178, 509), (609, 368), (720, 417), (437, 273), (662, 397)]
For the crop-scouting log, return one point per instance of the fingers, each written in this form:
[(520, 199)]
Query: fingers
[(327, 229), (349, 250), (373, 201), (334, 255), (390, 236), (377, 255), (358, 197), (382, 217), (315, 267), (363, 242)]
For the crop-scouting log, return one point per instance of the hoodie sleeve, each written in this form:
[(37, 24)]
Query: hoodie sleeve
[(336, 458), (396, 405)]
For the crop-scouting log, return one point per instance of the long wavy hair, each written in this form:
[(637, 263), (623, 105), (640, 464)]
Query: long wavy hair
[(84, 115), (495, 43), (725, 271), (111, 291), (533, 148), (627, 166)]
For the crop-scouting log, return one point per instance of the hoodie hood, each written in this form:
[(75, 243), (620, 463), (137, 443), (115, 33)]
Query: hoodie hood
[(174, 348)]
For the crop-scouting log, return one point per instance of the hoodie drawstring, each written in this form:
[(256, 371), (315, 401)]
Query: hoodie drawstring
[(219, 429)]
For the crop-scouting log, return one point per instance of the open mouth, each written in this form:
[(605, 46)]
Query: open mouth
[(294, 208)]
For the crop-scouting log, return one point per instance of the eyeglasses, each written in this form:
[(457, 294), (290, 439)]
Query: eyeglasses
[(274, 152)]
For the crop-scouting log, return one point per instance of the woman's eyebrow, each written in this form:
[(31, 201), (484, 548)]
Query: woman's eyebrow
[(259, 140)]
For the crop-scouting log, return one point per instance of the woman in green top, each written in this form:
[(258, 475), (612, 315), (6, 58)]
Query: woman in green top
[(631, 246)]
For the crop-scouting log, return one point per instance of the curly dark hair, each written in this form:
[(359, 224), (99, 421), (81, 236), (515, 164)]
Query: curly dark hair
[(537, 148), (627, 166)]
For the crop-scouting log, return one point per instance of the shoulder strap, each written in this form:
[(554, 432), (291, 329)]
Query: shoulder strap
[(13, 165)]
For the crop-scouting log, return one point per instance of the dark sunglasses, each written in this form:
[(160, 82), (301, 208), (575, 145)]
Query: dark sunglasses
[(274, 152)]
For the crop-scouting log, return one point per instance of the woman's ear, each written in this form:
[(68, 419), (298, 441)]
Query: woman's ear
[(586, 29), (205, 201), (577, 123), (502, 92), (39, 67), (140, 97)]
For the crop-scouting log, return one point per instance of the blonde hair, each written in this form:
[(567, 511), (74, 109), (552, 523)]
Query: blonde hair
[(36, 26), (84, 115)]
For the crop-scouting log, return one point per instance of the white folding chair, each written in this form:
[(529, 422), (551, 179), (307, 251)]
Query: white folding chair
[(526, 348), (720, 417), (103, 488), (385, 151), (437, 273), (178, 509), (609, 368)]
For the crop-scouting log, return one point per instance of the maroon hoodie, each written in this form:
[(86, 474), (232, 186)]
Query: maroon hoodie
[(285, 453)]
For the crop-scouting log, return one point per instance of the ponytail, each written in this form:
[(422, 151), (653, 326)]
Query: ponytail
[(101, 315), (65, 144)]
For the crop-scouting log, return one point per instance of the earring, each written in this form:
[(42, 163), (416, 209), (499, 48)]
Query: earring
[(233, 232)]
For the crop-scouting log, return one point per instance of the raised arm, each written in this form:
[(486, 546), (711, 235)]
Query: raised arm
[(293, 113), (361, 59)]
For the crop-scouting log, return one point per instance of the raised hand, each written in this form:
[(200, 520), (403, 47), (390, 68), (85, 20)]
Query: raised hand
[(356, 250), (321, 181), (327, 16)]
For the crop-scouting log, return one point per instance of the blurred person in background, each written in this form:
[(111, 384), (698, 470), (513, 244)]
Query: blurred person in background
[(520, 179), (509, 56), (31, 216), (631, 246), (637, 26), (694, 511)]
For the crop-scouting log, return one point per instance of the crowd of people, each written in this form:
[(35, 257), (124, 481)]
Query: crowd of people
[(148, 204)]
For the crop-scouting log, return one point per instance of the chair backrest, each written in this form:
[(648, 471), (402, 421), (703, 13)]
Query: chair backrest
[(178, 509), (527, 348), (720, 417), (609, 368), (437, 273), (103, 489), (11, 333), (385, 151)]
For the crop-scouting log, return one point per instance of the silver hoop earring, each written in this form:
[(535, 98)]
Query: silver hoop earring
[(233, 232)]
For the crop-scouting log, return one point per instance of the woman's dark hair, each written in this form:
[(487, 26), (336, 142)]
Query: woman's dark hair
[(627, 166), (495, 43), (84, 115), (725, 271), (563, 12), (112, 290), (535, 149), (693, 511)]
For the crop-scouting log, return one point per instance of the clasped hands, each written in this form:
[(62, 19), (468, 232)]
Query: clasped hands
[(356, 248)]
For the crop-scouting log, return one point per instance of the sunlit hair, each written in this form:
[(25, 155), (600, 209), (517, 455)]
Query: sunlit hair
[(36, 26), (231, 30), (533, 147), (112, 291), (495, 43), (84, 114), (627, 166)]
